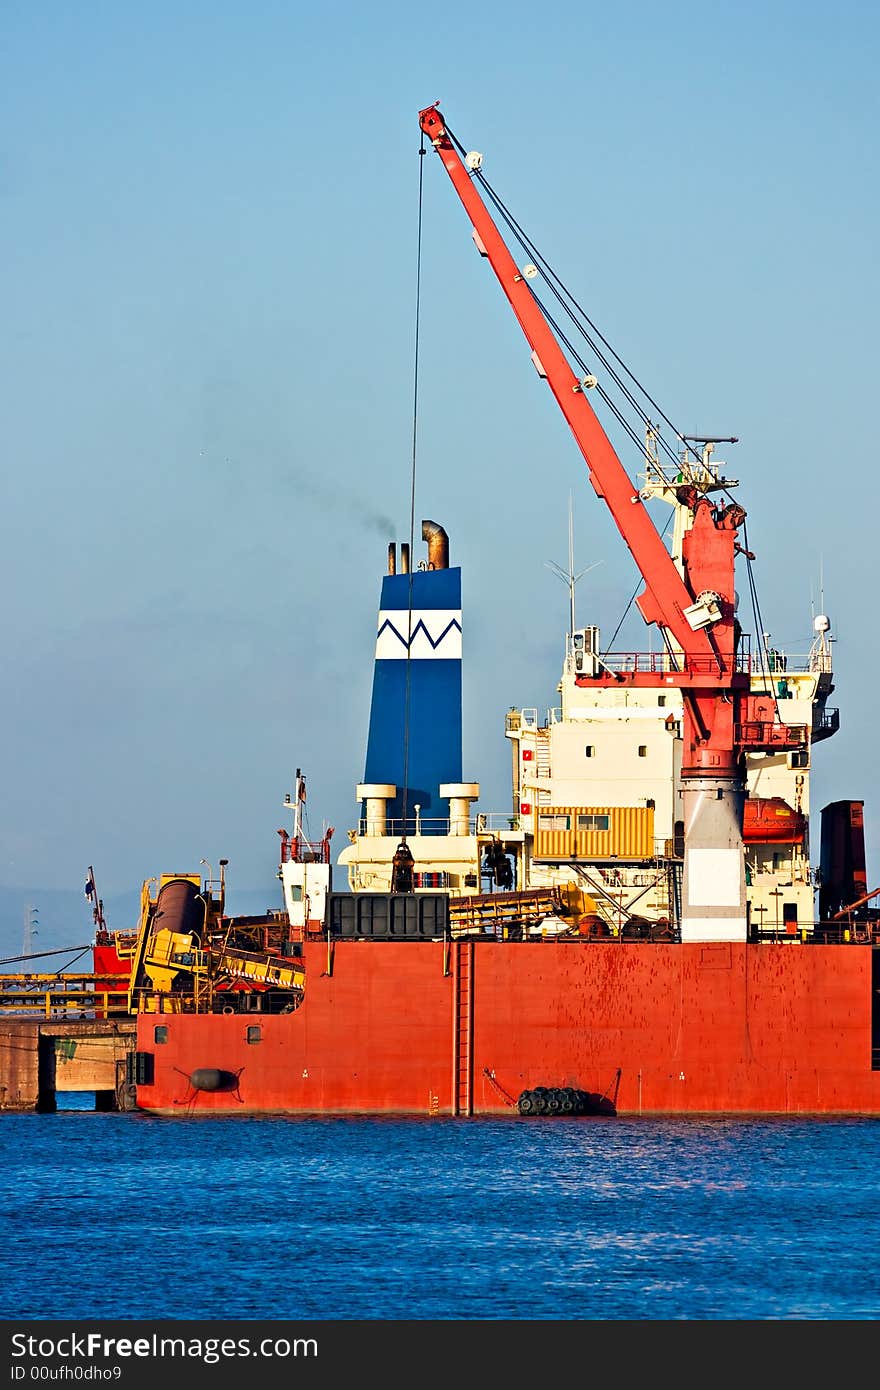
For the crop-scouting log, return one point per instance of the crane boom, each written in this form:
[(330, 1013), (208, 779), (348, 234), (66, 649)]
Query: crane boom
[(666, 597), (694, 608)]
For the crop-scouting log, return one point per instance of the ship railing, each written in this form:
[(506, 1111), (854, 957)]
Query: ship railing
[(123, 942), (761, 875), (519, 719), (486, 823), (563, 932), (499, 823), (146, 999), (496, 822), (858, 932), (637, 663), (295, 849), (63, 996), (774, 664), (601, 929), (642, 663), (771, 664), (855, 931), (825, 723)]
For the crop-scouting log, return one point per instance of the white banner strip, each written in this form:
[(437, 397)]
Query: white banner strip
[(436, 634)]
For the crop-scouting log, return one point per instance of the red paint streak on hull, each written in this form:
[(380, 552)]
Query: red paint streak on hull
[(692, 1029)]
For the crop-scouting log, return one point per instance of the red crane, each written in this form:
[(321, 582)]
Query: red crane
[(696, 612)]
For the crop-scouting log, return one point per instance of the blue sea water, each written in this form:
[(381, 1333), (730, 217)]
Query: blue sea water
[(126, 1216)]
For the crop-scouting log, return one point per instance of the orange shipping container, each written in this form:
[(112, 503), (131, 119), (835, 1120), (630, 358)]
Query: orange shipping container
[(594, 832)]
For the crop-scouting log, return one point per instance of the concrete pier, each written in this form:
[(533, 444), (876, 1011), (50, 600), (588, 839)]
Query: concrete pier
[(43, 1057)]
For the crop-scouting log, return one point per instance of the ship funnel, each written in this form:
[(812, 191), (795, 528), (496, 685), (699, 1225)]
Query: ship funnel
[(392, 557), (414, 738), (438, 545)]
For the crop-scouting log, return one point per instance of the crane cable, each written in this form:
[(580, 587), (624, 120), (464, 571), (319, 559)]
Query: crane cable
[(579, 318), (412, 499), (36, 955), (632, 599), (576, 313)]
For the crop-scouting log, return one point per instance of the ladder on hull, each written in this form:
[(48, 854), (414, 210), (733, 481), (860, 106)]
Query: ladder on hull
[(462, 1028)]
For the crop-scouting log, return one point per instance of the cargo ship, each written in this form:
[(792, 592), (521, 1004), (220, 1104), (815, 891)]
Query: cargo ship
[(640, 931)]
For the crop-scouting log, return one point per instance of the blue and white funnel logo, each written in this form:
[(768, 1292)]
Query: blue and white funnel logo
[(415, 715), (427, 634)]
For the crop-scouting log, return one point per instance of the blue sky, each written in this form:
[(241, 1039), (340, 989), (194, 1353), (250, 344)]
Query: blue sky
[(208, 237)]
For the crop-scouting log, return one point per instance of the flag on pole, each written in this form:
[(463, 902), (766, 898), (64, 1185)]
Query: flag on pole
[(90, 886)]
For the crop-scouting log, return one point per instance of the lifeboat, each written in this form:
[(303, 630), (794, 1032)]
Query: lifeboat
[(769, 820)]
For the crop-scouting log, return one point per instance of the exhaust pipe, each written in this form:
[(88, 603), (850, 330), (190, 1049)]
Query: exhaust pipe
[(438, 545)]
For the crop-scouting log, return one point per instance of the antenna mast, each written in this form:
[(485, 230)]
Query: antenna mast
[(568, 576)]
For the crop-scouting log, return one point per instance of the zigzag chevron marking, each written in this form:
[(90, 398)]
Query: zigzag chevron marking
[(387, 626)]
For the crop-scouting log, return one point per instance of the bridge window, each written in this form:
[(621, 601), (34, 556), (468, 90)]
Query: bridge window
[(254, 1033), (160, 1033)]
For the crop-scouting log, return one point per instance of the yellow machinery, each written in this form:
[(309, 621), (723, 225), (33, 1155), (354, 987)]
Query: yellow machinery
[(187, 951)]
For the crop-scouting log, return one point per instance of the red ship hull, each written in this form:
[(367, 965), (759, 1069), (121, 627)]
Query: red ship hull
[(433, 1028)]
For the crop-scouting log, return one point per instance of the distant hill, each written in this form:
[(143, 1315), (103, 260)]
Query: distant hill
[(64, 920)]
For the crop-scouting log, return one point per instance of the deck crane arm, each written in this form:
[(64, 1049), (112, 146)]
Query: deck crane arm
[(694, 608), (666, 596)]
